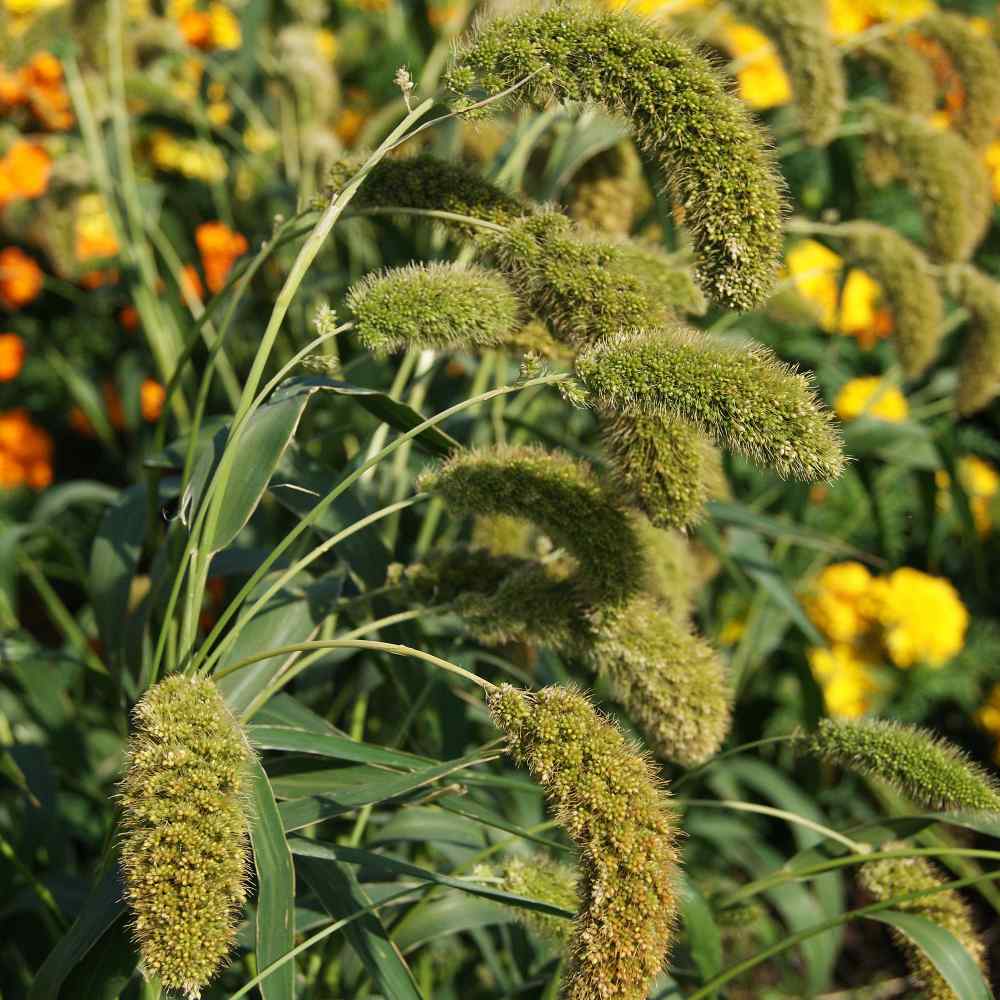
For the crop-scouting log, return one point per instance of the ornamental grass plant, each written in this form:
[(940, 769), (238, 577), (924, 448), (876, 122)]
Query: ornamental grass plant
[(499, 500)]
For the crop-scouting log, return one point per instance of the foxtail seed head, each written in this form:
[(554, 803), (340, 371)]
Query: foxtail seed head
[(909, 77), (979, 358), (428, 183), (185, 853), (976, 60), (945, 173), (436, 306), (563, 497), (909, 285), (741, 395), (547, 881), (886, 878), (800, 32), (715, 160), (607, 797), (607, 189), (659, 462), (929, 770)]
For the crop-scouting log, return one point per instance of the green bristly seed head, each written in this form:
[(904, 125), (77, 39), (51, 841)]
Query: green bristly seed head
[(607, 189), (547, 881), (658, 460), (909, 76), (801, 35), (713, 157), (671, 569), (910, 288), (572, 279), (436, 306), (979, 358), (185, 854), (428, 183), (931, 771), (739, 394), (560, 495), (661, 279), (945, 173), (977, 62), (670, 682), (889, 877), (608, 799)]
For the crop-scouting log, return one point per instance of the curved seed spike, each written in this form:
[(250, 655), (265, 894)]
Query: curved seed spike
[(607, 189), (548, 881), (908, 74), (739, 394), (714, 158), (607, 797), (800, 32), (437, 306), (979, 358), (659, 461), (929, 770), (909, 285), (890, 877), (428, 183), (944, 172), (185, 849), (662, 279), (977, 61), (563, 498)]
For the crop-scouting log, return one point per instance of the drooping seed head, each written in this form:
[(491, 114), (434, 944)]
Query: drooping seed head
[(946, 175), (800, 32), (607, 189), (908, 75), (185, 852), (931, 771), (887, 878), (606, 796), (436, 306), (979, 358), (548, 881), (715, 160), (739, 394)]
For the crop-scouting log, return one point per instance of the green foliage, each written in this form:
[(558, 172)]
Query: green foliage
[(930, 771), (810, 57), (739, 394), (609, 801), (886, 878), (908, 284), (979, 360), (944, 172), (185, 853), (714, 159), (433, 306)]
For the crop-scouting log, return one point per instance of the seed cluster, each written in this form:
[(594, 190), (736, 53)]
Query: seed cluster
[(909, 77), (547, 881), (929, 770), (185, 852), (607, 797), (979, 358)]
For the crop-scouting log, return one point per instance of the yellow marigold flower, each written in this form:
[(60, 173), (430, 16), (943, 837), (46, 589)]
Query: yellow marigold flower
[(151, 397), (979, 477), (861, 313), (20, 278), (224, 27), (94, 234), (845, 677), (870, 396), (988, 715), (763, 82), (835, 607), (992, 156), (814, 270), (259, 139), (219, 112), (11, 356), (922, 617)]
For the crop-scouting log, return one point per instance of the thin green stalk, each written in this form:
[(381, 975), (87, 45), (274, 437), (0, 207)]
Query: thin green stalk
[(426, 213), (685, 779), (383, 647), (317, 512), (713, 985), (301, 564), (789, 817)]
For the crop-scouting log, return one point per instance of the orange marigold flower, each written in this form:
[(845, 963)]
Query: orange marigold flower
[(128, 317), (25, 452), (191, 282), (20, 278), (113, 406), (151, 398), (80, 422), (24, 172), (196, 28), (219, 247), (11, 356)]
